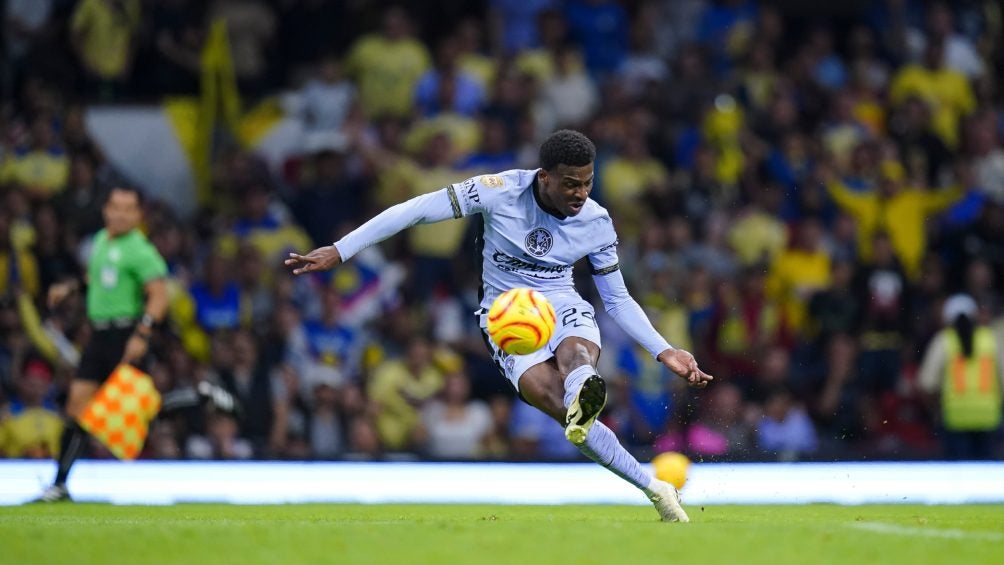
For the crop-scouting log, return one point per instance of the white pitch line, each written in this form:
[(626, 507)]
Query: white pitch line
[(912, 531)]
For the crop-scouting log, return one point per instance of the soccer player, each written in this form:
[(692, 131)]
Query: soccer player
[(537, 224)]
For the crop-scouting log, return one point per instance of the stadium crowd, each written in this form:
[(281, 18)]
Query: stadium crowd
[(797, 191)]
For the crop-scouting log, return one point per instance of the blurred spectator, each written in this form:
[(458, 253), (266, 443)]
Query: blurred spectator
[(255, 294), (221, 441), (514, 23), (456, 427), (725, 28), (103, 34), (882, 289), (26, 24), (80, 204), (326, 434), (643, 68), (541, 61), (827, 67), (264, 223), (627, 179), (42, 168), (843, 132), (387, 65), (721, 430), (251, 29), (959, 52), (331, 196), (55, 260), (176, 27), (217, 297), (400, 389), (18, 266), (309, 30), (745, 320), (325, 101), (946, 91), (496, 442), (895, 209), (601, 27), (535, 436), (644, 388), (333, 346), (891, 20), (922, 150), (835, 310), (568, 96), (759, 76), (984, 147), (799, 272), (785, 430), (31, 426), (263, 411), (496, 151), (756, 235), (471, 41), (447, 87)]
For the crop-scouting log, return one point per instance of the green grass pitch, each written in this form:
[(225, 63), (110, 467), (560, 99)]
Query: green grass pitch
[(441, 534)]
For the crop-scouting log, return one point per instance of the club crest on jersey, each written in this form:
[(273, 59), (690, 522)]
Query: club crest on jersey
[(491, 181), (538, 242)]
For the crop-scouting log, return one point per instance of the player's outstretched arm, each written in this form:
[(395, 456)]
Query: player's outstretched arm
[(630, 316), (321, 259), (425, 209), (683, 364)]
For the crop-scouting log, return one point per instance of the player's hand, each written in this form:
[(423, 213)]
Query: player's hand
[(58, 293), (320, 259), (135, 349), (683, 364)]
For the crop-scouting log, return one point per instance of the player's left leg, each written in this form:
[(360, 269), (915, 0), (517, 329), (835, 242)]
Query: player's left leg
[(568, 377), (584, 398), (552, 379)]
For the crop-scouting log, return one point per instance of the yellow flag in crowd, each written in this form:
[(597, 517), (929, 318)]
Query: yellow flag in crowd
[(119, 415), (219, 94)]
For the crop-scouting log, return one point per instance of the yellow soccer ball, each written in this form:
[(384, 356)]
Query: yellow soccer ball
[(521, 321), (671, 467)]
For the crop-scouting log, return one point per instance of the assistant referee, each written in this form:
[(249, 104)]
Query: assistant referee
[(126, 298)]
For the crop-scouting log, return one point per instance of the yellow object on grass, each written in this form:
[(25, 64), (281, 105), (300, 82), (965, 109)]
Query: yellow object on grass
[(119, 415)]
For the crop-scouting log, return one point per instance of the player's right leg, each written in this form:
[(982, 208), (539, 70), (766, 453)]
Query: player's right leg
[(576, 347), (585, 391)]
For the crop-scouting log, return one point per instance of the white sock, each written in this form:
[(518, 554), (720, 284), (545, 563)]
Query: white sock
[(574, 380), (601, 444)]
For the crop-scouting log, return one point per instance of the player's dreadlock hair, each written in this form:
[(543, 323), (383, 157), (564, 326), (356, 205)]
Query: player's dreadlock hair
[(566, 147)]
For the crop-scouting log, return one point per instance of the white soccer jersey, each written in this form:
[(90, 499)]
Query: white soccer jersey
[(524, 246)]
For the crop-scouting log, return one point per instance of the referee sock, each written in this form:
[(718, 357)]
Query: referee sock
[(71, 447), (601, 444)]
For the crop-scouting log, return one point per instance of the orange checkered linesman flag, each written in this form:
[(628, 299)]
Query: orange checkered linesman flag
[(119, 415)]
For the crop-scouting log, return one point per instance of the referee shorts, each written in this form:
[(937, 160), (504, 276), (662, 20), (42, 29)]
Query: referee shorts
[(103, 353)]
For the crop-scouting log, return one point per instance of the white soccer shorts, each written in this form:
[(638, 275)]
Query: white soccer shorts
[(575, 318)]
